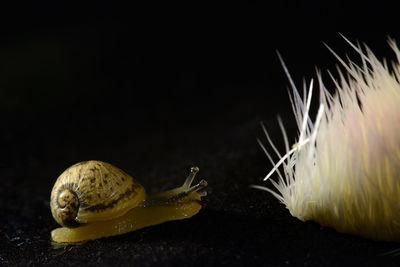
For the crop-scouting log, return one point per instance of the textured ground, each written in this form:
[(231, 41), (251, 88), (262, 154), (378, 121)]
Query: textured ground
[(155, 90)]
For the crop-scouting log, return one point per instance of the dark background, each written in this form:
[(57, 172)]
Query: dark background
[(155, 89)]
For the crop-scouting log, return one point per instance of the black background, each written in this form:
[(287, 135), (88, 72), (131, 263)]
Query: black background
[(155, 89)]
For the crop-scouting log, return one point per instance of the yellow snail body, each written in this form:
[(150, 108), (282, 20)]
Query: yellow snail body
[(94, 199)]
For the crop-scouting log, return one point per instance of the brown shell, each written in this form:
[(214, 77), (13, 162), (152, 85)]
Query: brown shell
[(93, 191)]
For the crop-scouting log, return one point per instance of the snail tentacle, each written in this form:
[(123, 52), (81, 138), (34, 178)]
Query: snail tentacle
[(192, 175)]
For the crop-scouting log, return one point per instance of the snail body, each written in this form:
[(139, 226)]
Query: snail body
[(95, 199)]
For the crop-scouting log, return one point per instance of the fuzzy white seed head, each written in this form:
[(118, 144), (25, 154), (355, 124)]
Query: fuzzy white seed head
[(344, 170)]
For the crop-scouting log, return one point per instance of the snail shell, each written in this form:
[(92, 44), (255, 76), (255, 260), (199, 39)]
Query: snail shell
[(93, 191)]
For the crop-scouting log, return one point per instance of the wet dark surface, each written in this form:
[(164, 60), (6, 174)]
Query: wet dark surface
[(155, 90)]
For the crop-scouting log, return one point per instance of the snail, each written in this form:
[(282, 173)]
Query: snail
[(94, 199)]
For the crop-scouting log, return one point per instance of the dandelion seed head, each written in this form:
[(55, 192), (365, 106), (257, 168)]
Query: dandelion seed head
[(344, 172)]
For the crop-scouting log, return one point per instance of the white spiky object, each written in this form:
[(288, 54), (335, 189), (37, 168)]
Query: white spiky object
[(344, 170)]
